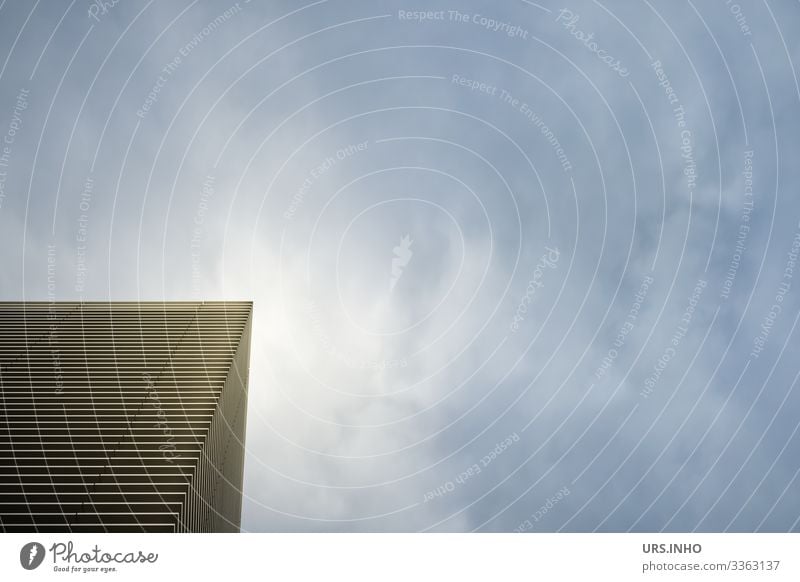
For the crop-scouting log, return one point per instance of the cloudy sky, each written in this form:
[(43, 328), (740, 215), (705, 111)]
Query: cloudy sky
[(515, 266)]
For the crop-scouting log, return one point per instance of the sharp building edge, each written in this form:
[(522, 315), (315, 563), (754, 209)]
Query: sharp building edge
[(123, 416)]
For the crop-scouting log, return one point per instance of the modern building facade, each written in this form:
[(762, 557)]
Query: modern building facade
[(123, 417)]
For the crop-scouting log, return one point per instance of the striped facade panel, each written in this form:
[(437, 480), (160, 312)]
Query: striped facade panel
[(122, 417)]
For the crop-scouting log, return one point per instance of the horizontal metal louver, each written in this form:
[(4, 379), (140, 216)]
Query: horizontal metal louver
[(122, 416)]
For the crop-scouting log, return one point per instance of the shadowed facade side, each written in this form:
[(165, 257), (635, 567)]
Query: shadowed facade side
[(123, 416)]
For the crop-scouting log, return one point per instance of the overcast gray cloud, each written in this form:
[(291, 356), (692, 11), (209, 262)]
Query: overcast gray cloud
[(516, 266)]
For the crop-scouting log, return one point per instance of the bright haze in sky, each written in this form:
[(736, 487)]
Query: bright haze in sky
[(515, 266)]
